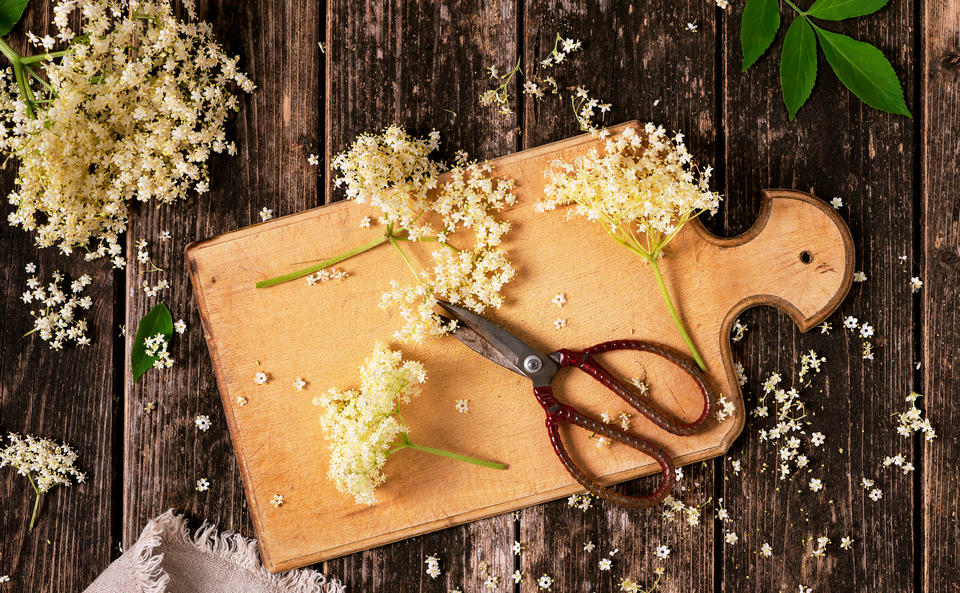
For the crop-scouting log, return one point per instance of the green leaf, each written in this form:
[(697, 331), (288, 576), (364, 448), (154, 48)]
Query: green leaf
[(864, 70), (758, 27), (837, 10), (157, 321), (10, 13), (798, 65)]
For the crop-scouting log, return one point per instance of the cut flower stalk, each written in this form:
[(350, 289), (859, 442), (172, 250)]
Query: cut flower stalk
[(406, 443)]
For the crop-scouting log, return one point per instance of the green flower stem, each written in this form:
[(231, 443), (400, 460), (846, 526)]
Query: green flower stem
[(17, 62), (36, 504), (324, 264), (407, 443), (673, 313), (406, 260), (43, 57)]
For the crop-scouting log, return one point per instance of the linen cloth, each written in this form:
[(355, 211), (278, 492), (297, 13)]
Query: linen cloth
[(169, 559)]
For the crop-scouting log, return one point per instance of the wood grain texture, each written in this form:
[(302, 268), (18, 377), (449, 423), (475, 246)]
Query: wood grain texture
[(940, 224), (276, 129), (420, 64), (638, 57), (67, 396), (836, 147)]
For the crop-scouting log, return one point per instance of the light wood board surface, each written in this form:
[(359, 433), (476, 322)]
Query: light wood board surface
[(322, 332)]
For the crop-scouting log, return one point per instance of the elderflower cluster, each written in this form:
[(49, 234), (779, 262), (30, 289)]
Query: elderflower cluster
[(156, 348), (135, 109), (912, 420), (43, 461), (393, 172), (790, 414), (642, 189), (57, 322), (362, 425)]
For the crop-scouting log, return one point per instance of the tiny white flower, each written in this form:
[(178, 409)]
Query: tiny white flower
[(876, 494), (517, 547), (846, 543), (299, 384), (203, 485), (559, 323), (180, 326), (30, 268), (545, 582), (433, 566), (559, 299), (866, 330), (605, 564), (241, 401), (817, 439), (517, 576), (202, 422), (731, 537), (463, 406), (313, 160), (816, 485), (859, 277), (766, 550), (266, 214), (692, 27), (916, 284), (365, 222), (850, 322), (276, 500), (837, 203), (663, 552), (588, 547), (260, 378)]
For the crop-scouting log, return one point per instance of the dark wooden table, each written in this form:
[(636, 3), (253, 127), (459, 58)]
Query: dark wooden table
[(423, 66)]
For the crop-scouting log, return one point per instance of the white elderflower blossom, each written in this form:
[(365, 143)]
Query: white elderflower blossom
[(180, 326), (912, 420), (559, 300), (313, 160), (260, 378), (816, 485), (364, 426), (463, 406), (545, 582), (846, 543), (559, 323), (731, 537), (111, 128), (739, 330), (265, 214), (859, 277), (663, 552), (203, 485), (43, 462), (588, 547), (605, 564), (837, 203), (643, 188), (156, 347), (433, 566), (766, 550), (202, 422), (517, 576), (916, 284), (276, 500), (299, 384), (58, 321)]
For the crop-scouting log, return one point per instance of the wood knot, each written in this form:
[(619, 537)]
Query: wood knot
[(950, 62)]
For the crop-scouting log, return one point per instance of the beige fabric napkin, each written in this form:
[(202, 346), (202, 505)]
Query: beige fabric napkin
[(168, 559)]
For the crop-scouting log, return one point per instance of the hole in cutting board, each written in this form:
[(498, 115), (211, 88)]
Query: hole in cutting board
[(806, 257)]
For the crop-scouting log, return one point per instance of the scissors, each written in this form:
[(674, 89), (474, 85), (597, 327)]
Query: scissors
[(506, 349)]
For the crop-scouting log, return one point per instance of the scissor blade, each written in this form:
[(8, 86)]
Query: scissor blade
[(475, 342), (510, 348)]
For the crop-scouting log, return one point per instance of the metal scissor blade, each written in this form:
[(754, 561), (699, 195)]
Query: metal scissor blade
[(511, 350), (475, 342)]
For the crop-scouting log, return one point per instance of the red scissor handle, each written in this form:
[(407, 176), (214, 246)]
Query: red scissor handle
[(584, 360), (558, 414)]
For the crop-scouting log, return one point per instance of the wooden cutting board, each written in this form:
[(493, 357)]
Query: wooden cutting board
[(798, 257)]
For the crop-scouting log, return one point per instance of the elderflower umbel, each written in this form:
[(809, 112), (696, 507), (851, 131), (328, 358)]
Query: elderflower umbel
[(113, 127), (58, 322), (643, 188), (912, 420), (43, 462), (364, 426)]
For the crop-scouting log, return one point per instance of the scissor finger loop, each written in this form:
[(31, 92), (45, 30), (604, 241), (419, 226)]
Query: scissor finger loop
[(584, 360), (558, 414)]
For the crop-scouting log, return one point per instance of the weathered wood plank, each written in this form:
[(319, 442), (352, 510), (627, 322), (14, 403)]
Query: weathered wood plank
[(276, 129), (67, 396), (641, 59), (421, 65), (836, 147), (940, 222)]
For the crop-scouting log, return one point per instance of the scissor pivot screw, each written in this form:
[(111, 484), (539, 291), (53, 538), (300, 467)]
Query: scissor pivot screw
[(532, 364)]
